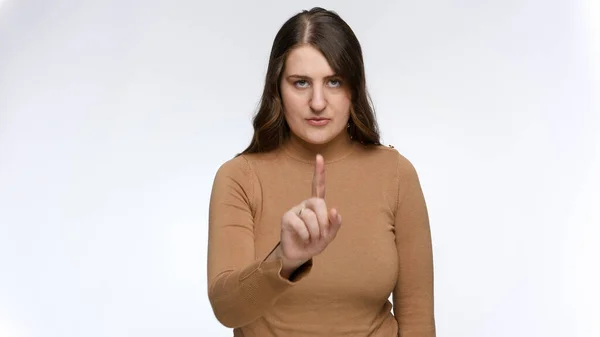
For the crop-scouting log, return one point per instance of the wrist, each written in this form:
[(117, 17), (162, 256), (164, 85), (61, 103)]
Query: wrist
[(288, 265)]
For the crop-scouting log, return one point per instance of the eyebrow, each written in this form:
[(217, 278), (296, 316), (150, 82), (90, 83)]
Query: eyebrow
[(309, 78)]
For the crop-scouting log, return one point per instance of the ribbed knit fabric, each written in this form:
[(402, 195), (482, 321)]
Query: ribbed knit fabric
[(383, 247)]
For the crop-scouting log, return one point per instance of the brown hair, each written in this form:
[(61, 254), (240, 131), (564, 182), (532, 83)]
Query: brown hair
[(326, 31)]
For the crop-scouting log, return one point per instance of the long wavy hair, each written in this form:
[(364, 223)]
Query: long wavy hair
[(327, 32)]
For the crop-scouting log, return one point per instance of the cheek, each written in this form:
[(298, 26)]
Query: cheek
[(293, 104), (342, 105)]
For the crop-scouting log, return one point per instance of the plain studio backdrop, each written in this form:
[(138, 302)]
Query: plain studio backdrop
[(115, 115)]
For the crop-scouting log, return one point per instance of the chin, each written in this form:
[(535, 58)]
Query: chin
[(319, 141), (316, 140)]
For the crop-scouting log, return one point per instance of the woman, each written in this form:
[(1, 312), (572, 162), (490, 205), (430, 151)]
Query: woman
[(281, 259)]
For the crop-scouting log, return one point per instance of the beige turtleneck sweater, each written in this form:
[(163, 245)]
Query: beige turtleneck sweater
[(383, 247)]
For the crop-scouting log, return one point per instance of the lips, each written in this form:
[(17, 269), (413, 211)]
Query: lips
[(318, 121)]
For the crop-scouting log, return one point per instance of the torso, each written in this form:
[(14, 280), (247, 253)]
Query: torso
[(349, 285)]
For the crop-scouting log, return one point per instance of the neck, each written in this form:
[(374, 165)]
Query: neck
[(337, 148)]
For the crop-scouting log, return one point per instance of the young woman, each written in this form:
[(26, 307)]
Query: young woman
[(316, 224)]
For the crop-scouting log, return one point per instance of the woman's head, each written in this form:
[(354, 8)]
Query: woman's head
[(315, 71)]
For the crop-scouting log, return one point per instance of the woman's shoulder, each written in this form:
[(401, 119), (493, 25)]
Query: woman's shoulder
[(236, 167), (244, 164), (387, 155)]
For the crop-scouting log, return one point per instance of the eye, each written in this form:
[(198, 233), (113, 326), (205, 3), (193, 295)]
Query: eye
[(301, 84), (335, 83)]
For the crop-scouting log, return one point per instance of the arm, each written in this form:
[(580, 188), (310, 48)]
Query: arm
[(241, 288), (413, 294)]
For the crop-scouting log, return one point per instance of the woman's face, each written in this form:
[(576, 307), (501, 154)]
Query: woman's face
[(316, 103)]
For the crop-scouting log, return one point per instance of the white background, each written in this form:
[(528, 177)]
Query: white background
[(115, 115)]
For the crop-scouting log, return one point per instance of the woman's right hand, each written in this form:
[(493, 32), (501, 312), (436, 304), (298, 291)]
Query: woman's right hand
[(307, 228)]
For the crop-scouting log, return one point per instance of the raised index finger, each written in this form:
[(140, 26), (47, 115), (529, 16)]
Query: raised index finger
[(318, 182)]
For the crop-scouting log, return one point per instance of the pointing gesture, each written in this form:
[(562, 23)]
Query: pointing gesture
[(318, 182), (307, 228)]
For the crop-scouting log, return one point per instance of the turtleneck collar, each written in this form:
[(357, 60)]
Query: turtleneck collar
[(339, 148)]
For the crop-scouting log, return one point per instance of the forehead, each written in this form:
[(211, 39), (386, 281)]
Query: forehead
[(307, 61)]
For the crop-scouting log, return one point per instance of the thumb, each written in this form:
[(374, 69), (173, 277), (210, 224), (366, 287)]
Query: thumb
[(335, 218)]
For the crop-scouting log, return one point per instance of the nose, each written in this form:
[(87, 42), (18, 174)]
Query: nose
[(317, 100)]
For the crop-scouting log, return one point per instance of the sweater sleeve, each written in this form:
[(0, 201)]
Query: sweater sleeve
[(241, 287), (413, 294)]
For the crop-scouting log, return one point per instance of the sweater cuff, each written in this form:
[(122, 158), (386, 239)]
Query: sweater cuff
[(425, 332), (301, 271), (265, 280), (271, 270)]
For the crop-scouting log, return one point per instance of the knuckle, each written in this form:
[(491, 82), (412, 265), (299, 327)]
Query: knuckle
[(289, 215), (289, 218), (298, 227), (295, 226), (312, 225), (316, 203)]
